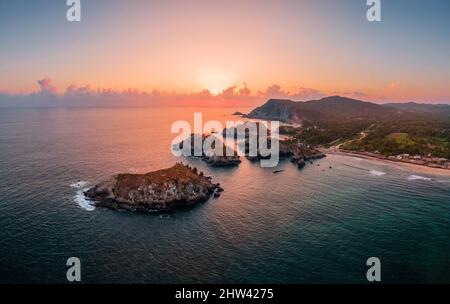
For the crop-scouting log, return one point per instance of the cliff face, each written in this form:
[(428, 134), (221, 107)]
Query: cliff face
[(276, 109), (155, 191)]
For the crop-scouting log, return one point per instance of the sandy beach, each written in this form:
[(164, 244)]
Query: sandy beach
[(401, 165)]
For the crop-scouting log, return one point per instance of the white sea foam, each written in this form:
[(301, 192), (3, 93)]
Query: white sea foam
[(418, 177), (82, 201), (79, 184), (377, 173)]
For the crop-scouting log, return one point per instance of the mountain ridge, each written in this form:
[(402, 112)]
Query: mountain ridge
[(424, 108), (338, 108)]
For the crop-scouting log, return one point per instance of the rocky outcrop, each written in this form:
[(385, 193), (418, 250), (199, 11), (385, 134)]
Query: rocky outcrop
[(300, 163), (222, 161), (163, 190), (299, 153), (287, 148), (211, 159), (249, 130)]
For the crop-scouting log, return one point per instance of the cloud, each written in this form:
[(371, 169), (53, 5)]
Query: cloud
[(236, 95), (46, 87), (233, 96), (74, 90), (229, 93), (235, 92), (299, 93), (307, 93), (274, 91), (245, 91)]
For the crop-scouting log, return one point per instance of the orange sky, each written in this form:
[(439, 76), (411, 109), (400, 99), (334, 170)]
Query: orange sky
[(187, 47)]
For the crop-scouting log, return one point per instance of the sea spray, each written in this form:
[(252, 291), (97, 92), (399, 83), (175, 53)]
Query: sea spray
[(82, 201), (80, 198)]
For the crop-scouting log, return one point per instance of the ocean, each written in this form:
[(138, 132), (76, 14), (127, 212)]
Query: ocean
[(316, 225)]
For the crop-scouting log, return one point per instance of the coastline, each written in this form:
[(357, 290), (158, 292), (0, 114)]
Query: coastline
[(401, 165)]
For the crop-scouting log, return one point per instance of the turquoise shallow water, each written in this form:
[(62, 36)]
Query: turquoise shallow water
[(318, 225)]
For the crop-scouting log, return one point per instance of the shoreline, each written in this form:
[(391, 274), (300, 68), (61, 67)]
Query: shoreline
[(401, 165)]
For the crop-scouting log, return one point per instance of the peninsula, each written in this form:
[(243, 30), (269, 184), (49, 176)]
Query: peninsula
[(410, 133)]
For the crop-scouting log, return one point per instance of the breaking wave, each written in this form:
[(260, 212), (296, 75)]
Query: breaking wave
[(377, 173), (82, 201), (79, 197), (418, 177)]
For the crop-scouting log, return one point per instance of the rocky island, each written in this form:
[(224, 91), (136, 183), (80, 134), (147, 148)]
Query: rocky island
[(214, 159), (162, 190)]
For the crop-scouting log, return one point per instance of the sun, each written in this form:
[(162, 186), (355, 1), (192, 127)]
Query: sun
[(215, 82)]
